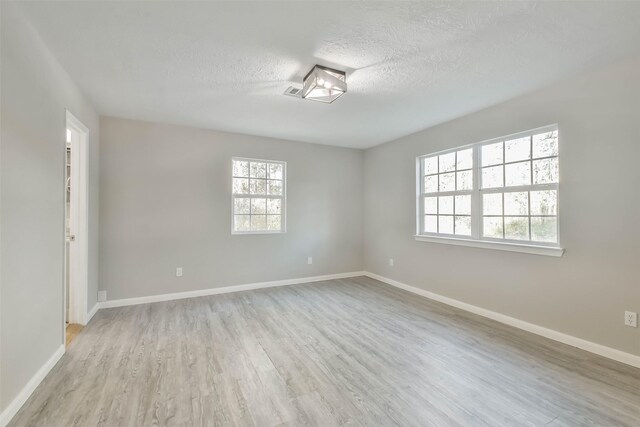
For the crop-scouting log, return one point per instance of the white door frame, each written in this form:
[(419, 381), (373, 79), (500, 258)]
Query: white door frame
[(79, 224)]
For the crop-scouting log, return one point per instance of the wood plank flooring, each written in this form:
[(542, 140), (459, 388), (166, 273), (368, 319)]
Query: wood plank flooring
[(341, 352)]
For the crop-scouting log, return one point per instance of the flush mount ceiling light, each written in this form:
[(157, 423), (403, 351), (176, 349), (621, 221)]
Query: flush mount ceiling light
[(324, 84)]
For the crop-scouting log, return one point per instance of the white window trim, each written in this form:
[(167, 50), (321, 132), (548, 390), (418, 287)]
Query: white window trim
[(283, 205), (475, 240), (490, 244)]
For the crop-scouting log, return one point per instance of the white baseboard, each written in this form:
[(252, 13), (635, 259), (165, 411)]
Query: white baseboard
[(15, 405), (224, 290), (92, 312), (599, 349)]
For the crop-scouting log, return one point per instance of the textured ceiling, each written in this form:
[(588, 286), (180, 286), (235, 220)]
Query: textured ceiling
[(410, 65)]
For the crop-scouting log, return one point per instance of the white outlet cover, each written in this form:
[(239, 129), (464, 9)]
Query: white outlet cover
[(631, 319), (179, 272), (391, 262), (310, 260)]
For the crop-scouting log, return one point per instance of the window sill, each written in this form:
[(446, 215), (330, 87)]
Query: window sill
[(500, 246), (253, 233)]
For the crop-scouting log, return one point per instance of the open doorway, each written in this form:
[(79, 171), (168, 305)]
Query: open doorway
[(76, 228)]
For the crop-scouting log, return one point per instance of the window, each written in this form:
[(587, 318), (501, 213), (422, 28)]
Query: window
[(504, 190), (258, 196)]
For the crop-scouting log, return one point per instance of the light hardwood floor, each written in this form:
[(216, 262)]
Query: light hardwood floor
[(352, 351)]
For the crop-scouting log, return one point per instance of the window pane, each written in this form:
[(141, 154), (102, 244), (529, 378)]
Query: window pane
[(275, 171), (447, 162), (258, 206), (545, 171), (518, 174), (492, 177), (447, 181), (544, 229), (430, 165), (273, 222), (544, 203), (240, 186), (463, 205), (516, 228), (240, 168), (446, 224), (258, 170), (258, 222), (463, 225), (465, 180), (517, 149), (492, 227), (258, 186), (431, 184), (431, 205), (273, 206), (241, 223), (446, 205), (545, 144), (516, 203), (492, 154), (241, 206), (492, 204), (274, 187), (465, 159), (430, 223)]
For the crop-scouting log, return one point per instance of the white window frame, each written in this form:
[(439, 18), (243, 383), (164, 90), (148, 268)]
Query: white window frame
[(283, 197), (476, 239)]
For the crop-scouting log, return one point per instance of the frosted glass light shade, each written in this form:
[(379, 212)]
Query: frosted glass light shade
[(324, 84)]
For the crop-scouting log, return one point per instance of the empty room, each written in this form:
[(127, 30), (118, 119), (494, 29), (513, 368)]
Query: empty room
[(319, 213)]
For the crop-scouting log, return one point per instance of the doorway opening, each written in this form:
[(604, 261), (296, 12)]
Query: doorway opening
[(76, 228)]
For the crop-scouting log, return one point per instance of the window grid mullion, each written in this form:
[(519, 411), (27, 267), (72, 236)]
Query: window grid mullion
[(529, 211), (438, 208), (531, 162), (449, 193), (454, 214), (438, 173), (455, 176), (504, 234), (476, 198), (504, 167), (421, 207), (515, 189)]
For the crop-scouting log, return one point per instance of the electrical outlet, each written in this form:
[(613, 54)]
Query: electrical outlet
[(310, 260), (631, 319), (102, 296), (179, 272), (391, 262)]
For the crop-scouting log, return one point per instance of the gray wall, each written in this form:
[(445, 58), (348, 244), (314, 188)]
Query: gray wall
[(585, 292), (166, 202), (36, 91)]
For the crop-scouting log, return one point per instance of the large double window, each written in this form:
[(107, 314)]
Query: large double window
[(503, 190), (258, 193)]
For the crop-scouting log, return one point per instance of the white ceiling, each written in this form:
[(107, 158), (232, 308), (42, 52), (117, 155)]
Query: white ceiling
[(410, 65)]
